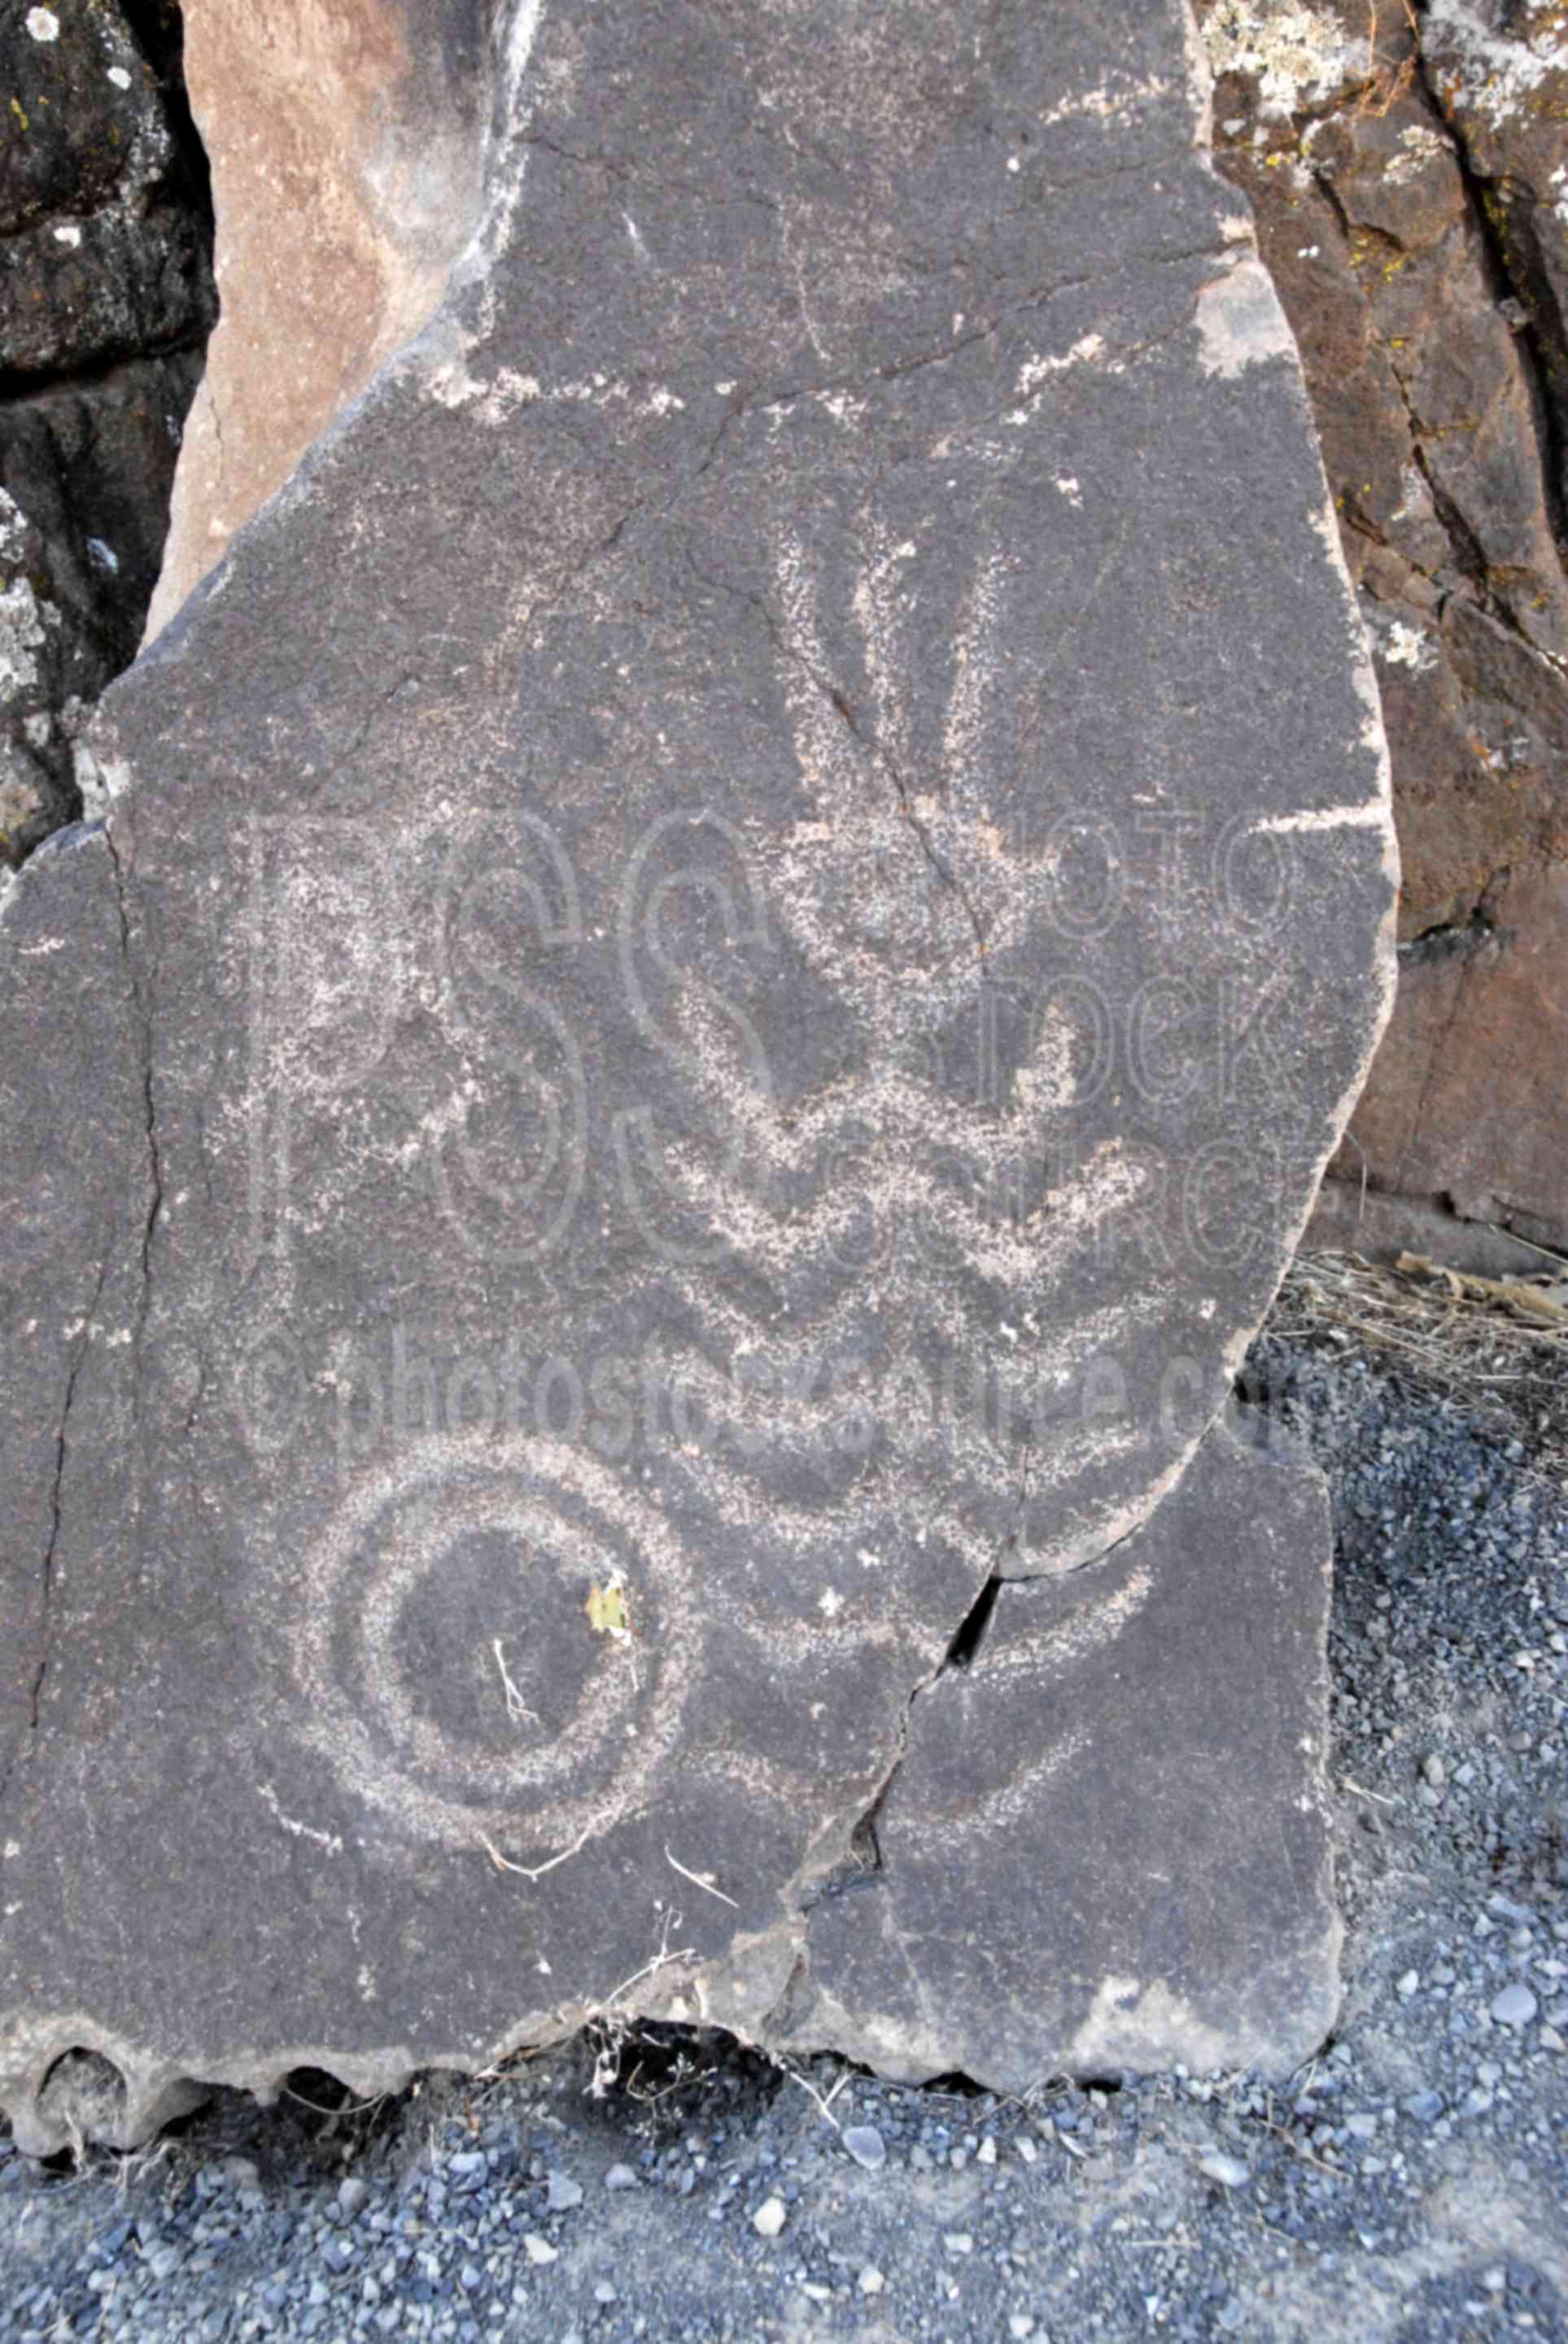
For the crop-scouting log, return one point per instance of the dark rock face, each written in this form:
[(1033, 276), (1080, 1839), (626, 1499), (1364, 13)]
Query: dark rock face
[(1123, 1706), (724, 958), (106, 302), (104, 251), (1409, 193)]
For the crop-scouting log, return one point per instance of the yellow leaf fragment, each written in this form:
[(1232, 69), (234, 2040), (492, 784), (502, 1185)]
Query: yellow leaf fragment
[(606, 1608)]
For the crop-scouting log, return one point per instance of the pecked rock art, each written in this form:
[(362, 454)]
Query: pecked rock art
[(726, 950)]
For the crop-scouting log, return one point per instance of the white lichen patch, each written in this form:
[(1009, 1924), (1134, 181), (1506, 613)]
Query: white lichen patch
[(1558, 183), (42, 23), (1037, 369), (1408, 646), (1295, 55), (1036, 372), (1496, 71), (101, 780), (1418, 147), (12, 529), (24, 623), (1239, 322)]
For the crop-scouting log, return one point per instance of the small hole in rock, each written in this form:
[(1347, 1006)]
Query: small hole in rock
[(325, 2095), (84, 2094)]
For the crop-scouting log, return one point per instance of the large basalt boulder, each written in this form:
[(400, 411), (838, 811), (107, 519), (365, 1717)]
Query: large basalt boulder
[(725, 954), (1407, 174)]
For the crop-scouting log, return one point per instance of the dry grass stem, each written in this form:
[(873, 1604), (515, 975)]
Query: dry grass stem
[(703, 1880), (537, 1871), (1496, 1347)]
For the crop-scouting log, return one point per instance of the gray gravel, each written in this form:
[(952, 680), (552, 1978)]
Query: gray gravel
[(1410, 2183)]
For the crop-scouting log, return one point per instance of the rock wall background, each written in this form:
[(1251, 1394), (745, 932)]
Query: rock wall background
[(106, 301), (1408, 165), (344, 141)]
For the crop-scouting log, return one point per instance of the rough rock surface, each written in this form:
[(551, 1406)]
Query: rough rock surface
[(105, 301), (1410, 178), (343, 143), (1473, 1109), (1108, 1947), (725, 956)]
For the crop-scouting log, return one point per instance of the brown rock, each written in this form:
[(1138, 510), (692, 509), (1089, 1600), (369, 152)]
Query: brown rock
[(1467, 1105), (344, 143), (1504, 87), (1407, 207)]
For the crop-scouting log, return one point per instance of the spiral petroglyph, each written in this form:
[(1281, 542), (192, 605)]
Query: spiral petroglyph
[(524, 1527)]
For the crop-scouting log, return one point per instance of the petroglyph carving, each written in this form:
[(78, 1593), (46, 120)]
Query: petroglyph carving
[(731, 944)]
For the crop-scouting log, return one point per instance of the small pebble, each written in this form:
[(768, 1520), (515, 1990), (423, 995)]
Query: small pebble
[(621, 2176), (539, 2250), (866, 2146), (1229, 2171), (871, 2281), (770, 2217), (1514, 2006)]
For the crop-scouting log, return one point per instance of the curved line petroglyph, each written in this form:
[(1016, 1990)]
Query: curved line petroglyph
[(861, 1216), (557, 1504)]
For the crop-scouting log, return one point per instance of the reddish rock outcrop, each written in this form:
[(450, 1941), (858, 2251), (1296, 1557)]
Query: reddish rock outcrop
[(1410, 176), (344, 141)]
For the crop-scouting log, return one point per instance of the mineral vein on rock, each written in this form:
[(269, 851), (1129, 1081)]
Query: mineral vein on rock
[(736, 931)]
